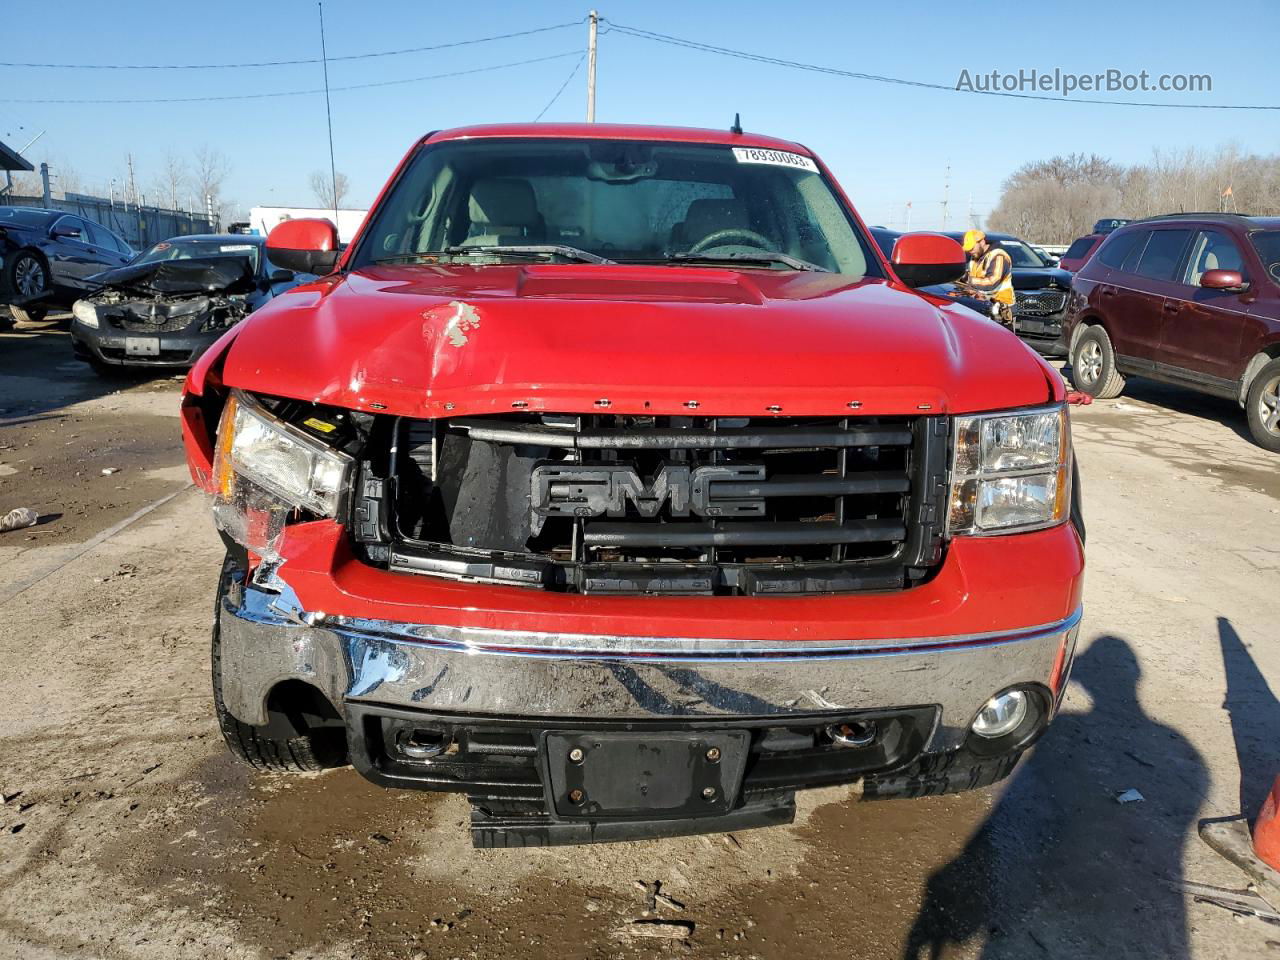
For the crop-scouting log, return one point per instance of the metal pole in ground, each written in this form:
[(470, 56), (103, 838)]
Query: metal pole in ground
[(593, 20)]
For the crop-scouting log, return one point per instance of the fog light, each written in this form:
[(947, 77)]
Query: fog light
[(1001, 715)]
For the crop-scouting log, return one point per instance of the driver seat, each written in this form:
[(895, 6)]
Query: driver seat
[(707, 216), (503, 212)]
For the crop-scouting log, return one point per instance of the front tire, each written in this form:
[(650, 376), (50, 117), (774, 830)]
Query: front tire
[(280, 746), (1263, 407), (27, 276), (1093, 365)]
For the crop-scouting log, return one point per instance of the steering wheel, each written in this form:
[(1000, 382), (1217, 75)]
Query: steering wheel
[(738, 234)]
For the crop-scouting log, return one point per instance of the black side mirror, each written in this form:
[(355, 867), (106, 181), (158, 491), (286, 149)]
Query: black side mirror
[(71, 232), (281, 276)]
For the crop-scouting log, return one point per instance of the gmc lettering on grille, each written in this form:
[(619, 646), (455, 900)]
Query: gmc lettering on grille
[(596, 490)]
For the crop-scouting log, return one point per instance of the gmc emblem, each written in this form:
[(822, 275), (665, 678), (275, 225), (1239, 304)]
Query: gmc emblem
[(596, 490)]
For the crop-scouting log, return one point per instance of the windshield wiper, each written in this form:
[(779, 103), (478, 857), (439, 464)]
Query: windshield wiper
[(535, 250), (502, 250), (763, 257)]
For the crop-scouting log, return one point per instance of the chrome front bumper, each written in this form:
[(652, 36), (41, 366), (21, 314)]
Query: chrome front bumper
[(266, 638)]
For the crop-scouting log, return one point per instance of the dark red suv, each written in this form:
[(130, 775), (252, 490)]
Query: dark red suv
[(1191, 299)]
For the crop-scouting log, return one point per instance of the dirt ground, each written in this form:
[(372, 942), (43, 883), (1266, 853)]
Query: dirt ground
[(126, 831)]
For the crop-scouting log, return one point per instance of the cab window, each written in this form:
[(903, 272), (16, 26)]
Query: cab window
[(1163, 254), (1116, 248), (1211, 250)]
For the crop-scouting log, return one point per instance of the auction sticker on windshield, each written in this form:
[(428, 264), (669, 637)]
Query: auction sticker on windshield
[(778, 158)]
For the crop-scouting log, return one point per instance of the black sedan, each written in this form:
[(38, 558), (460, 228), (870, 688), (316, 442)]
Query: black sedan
[(47, 258), (170, 305), (1039, 289)]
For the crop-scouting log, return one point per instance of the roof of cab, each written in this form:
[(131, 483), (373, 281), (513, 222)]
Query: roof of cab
[(617, 131)]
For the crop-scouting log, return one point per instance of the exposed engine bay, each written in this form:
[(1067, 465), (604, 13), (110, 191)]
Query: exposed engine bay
[(161, 313)]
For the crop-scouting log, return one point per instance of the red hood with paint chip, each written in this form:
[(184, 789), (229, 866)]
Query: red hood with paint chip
[(425, 340)]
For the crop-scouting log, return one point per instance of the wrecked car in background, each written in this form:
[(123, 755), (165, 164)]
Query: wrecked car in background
[(170, 304), (613, 479)]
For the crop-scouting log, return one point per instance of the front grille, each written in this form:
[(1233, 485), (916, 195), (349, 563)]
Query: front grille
[(671, 505), (1041, 303), (134, 323)]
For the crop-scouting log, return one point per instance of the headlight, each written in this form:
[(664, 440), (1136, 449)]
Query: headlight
[(86, 313), (266, 469), (1010, 472)]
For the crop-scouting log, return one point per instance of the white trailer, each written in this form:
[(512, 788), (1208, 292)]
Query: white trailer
[(262, 219)]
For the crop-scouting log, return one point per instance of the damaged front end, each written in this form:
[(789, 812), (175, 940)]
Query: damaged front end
[(162, 314)]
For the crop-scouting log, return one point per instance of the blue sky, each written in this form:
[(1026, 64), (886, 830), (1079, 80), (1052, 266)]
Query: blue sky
[(887, 144)]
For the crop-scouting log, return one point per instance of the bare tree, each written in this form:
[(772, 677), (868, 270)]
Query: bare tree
[(1056, 200), (171, 182), (322, 186), (210, 170)]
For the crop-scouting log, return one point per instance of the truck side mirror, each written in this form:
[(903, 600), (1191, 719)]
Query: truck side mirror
[(924, 259), (308, 245)]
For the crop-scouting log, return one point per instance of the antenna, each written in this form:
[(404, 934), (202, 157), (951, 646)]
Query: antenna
[(737, 124), (328, 112)]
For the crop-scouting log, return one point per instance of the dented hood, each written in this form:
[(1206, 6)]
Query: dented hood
[(174, 277), (434, 340)]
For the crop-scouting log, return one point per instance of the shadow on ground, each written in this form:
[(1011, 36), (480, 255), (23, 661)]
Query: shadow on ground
[(1255, 720), (1185, 401), (1060, 867), (42, 352)]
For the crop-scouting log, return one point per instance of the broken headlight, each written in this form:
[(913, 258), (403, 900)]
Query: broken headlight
[(266, 471), (1010, 472), (86, 313)]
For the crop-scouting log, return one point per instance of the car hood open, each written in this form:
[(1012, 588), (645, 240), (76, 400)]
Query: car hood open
[(176, 277), (446, 340)]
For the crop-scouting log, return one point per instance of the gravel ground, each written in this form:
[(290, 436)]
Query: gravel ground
[(126, 831)]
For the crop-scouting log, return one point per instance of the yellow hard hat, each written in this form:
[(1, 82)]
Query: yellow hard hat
[(972, 238)]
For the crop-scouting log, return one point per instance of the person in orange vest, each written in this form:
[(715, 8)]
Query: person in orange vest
[(990, 275)]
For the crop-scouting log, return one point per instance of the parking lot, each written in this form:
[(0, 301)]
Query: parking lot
[(127, 831)]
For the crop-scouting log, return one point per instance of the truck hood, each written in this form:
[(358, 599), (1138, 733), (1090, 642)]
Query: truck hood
[(433, 340)]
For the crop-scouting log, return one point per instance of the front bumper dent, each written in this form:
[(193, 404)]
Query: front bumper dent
[(267, 639)]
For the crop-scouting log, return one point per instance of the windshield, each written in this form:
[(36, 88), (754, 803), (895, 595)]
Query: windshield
[(1021, 254), (629, 202), (200, 249), (1267, 243)]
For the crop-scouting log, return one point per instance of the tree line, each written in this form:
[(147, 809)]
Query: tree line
[(1059, 199), (174, 181)]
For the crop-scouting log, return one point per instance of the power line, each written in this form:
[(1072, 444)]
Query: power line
[(289, 63), (878, 78), (300, 93), (572, 73)]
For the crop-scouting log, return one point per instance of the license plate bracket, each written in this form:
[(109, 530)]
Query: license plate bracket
[(646, 776), (142, 346)]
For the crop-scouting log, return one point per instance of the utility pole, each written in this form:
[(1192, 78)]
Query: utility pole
[(593, 20), (908, 230), (133, 189), (44, 181)]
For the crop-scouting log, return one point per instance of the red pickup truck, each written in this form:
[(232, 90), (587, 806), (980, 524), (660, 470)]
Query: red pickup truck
[(614, 478)]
